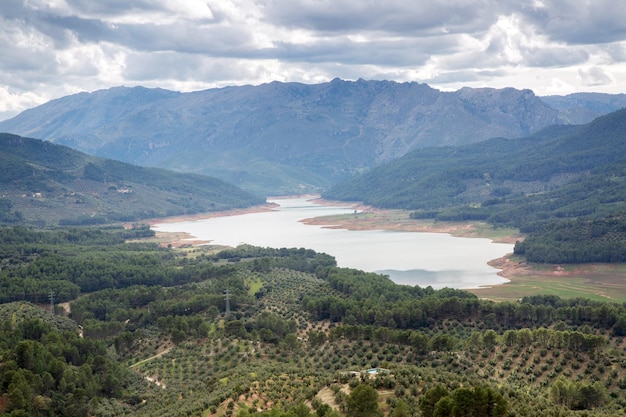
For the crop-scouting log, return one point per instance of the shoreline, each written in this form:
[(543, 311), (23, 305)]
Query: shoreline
[(211, 214), (184, 239), (602, 281), (367, 218)]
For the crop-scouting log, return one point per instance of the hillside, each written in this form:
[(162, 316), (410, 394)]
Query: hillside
[(444, 177), (302, 338), (562, 172), (280, 138), (47, 184)]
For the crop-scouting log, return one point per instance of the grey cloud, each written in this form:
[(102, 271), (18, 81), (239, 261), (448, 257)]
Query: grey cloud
[(466, 76), (393, 16), (183, 36), (145, 67), (15, 9), (186, 35), (115, 9), (16, 57), (616, 52), (227, 41), (595, 76), (112, 7), (86, 30), (384, 53), (579, 22), (555, 57), (57, 28), (455, 77)]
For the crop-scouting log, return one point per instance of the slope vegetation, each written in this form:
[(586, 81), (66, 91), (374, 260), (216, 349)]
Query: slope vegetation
[(45, 183), (560, 173), (302, 337)]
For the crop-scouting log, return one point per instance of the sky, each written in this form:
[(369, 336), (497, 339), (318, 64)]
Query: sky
[(53, 48)]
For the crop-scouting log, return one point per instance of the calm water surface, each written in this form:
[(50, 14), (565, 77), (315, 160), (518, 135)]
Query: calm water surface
[(412, 258)]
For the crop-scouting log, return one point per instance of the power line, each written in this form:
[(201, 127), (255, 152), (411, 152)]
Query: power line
[(227, 299), (51, 296)]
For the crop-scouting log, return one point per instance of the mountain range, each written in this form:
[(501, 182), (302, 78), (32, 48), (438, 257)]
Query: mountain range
[(285, 138)]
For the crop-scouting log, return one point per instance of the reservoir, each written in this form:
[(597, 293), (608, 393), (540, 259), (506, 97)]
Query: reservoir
[(412, 258)]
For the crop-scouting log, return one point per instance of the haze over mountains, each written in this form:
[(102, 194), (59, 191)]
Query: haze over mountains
[(282, 138)]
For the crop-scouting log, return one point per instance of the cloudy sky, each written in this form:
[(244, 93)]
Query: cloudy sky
[(52, 48)]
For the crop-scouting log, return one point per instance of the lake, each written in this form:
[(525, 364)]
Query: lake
[(413, 258)]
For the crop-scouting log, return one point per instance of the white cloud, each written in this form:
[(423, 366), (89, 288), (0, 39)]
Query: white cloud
[(55, 47), (12, 103)]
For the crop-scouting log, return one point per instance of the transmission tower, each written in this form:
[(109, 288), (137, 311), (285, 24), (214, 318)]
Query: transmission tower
[(51, 297), (227, 299)]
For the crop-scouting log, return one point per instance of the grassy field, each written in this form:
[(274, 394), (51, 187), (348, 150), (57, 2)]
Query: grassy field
[(602, 282), (254, 285)]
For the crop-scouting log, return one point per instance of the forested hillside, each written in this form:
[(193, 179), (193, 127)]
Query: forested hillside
[(43, 183), (301, 337), (561, 173)]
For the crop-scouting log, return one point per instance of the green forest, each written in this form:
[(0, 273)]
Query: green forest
[(100, 322), (552, 180), (45, 184)]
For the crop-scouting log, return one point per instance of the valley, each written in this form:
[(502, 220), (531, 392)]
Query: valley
[(601, 282), (595, 281), (150, 323), (278, 208)]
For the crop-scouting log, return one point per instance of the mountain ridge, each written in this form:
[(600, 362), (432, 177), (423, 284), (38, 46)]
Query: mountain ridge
[(536, 160), (282, 138)]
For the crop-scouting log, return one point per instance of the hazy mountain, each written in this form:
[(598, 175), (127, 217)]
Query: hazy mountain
[(277, 137), (45, 183), (290, 137), (582, 108)]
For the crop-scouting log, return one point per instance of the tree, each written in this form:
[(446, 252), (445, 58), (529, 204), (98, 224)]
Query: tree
[(430, 398), (363, 402), (619, 328), (401, 410), (490, 339), (592, 395), (444, 407), (301, 410), (564, 392), (291, 342), (443, 343)]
